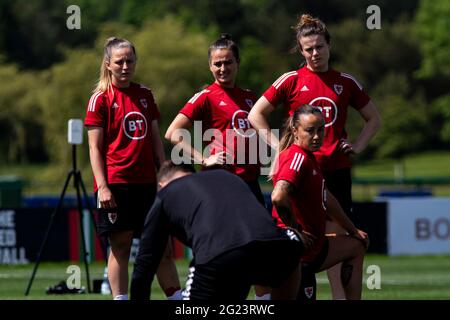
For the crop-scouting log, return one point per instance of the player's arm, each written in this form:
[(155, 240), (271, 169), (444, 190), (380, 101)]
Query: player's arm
[(281, 200), (154, 239), (97, 159), (258, 118), (158, 149), (372, 123), (335, 211), (178, 132), (281, 194)]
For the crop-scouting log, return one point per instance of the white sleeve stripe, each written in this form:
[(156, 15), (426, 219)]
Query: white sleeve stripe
[(90, 100), (300, 164), (349, 76), (293, 160), (283, 78), (297, 161), (93, 96), (93, 100), (197, 95)]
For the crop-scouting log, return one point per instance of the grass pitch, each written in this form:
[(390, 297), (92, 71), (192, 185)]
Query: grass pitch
[(400, 278)]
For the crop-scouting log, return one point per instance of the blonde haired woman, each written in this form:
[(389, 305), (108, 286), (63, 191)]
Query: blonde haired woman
[(125, 150)]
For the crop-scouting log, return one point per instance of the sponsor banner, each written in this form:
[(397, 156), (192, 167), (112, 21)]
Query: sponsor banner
[(22, 232), (418, 226)]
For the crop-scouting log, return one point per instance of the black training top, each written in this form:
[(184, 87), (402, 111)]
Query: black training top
[(210, 212)]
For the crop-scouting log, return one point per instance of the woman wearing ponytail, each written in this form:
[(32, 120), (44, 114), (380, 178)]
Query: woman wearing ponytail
[(125, 150), (316, 83), (302, 202)]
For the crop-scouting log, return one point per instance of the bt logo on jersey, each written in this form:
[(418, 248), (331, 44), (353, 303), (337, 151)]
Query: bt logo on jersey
[(328, 108), (135, 125), (241, 125)]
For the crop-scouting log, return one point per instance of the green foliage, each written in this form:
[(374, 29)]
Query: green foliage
[(29, 29), (432, 25), (259, 65), (369, 55), (441, 107), (406, 126), (20, 116), (68, 87), (172, 39)]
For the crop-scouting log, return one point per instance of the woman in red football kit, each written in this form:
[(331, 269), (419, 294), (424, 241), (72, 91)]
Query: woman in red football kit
[(125, 148), (301, 201), (316, 83), (222, 109)]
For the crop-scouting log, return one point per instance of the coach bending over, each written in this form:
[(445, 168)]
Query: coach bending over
[(234, 240)]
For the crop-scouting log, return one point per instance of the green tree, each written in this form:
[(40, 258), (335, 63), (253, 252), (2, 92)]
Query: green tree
[(20, 116), (406, 127), (441, 108), (432, 25)]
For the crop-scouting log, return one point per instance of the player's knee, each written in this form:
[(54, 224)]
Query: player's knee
[(121, 254), (361, 248), (357, 247)]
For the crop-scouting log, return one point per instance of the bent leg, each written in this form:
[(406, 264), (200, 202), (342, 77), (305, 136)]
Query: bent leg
[(167, 274), (339, 183), (334, 273), (308, 284), (288, 289), (350, 251)]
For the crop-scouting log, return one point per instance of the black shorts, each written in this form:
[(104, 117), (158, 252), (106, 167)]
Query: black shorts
[(339, 183), (230, 275), (133, 203), (308, 284)]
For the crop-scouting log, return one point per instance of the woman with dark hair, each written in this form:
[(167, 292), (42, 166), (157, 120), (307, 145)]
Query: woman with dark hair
[(301, 201), (316, 83), (223, 107)]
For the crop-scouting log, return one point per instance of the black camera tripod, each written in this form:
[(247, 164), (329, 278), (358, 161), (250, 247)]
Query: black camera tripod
[(77, 182)]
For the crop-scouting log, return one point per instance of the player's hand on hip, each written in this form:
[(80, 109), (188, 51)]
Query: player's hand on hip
[(362, 236), (346, 146), (308, 239), (218, 159)]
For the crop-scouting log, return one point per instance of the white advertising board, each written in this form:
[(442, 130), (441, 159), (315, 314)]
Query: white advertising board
[(418, 226)]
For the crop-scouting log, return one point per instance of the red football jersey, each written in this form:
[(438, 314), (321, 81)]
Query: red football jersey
[(125, 114), (333, 92), (300, 168), (226, 110)]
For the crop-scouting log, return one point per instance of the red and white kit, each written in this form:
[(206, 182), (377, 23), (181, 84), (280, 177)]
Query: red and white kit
[(126, 115), (333, 92), (226, 110), (300, 168)]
